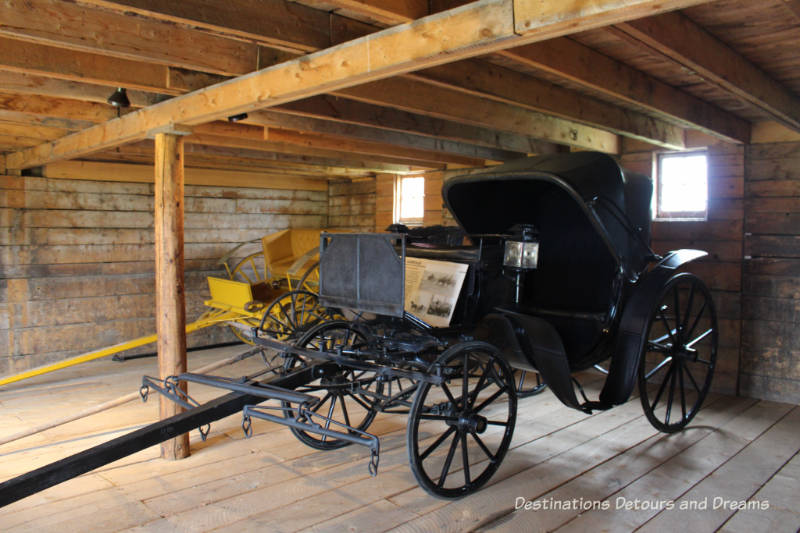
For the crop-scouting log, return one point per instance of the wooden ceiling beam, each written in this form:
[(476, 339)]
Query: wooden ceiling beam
[(127, 36), (61, 63), (278, 23), (278, 162), (81, 112), (579, 64), (478, 28), (41, 86), (336, 142), (367, 133), (315, 141), (483, 79), (426, 99), (678, 38), (346, 111), (385, 12)]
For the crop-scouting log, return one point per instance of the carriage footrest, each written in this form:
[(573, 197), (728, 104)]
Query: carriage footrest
[(305, 419)]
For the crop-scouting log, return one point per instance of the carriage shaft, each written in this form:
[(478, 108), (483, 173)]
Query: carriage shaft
[(57, 472)]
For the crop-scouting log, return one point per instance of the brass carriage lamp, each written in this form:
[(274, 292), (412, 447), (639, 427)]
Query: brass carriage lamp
[(521, 254)]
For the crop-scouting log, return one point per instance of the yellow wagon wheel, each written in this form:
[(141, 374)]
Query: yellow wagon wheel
[(310, 279), (291, 314), (252, 270)]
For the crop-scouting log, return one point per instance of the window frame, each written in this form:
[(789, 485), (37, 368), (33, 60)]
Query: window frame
[(676, 216)]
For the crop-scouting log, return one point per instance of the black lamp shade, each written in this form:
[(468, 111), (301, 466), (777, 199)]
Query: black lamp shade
[(119, 98)]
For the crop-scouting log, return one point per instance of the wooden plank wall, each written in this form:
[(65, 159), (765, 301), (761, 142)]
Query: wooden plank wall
[(77, 258), (721, 236), (771, 281), (351, 205)]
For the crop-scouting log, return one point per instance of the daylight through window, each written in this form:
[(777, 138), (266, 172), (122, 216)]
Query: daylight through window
[(410, 200), (682, 186)]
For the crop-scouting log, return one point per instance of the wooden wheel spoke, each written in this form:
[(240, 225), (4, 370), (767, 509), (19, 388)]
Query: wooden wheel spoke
[(448, 460), (700, 337), (690, 331), (449, 394), (670, 331), (490, 399), (658, 367), (691, 378), (437, 443), (321, 402), (671, 395), (478, 386), (661, 388), (483, 447), (465, 458), (345, 413), (683, 391)]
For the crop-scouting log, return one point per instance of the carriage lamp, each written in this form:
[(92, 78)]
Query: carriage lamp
[(522, 254)]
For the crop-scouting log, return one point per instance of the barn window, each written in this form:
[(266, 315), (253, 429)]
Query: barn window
[(410, 200), (681, 188)]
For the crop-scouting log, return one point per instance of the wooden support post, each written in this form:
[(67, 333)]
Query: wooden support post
[(170, 298)]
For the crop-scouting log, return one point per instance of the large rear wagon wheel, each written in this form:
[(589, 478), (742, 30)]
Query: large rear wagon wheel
[(680, 353), (460, 430)]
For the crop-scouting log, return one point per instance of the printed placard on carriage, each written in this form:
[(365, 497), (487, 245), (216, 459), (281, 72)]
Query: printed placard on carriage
[(432, 289)]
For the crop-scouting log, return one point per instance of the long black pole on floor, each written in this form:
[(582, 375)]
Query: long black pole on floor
[(108, 452)]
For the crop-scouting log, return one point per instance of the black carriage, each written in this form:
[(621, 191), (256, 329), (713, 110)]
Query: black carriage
[(559, 279)]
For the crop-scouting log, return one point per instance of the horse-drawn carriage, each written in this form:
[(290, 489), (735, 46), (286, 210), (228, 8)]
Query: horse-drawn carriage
[(557, 278)]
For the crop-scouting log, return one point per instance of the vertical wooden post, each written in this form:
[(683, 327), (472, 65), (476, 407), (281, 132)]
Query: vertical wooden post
[(170, 298)]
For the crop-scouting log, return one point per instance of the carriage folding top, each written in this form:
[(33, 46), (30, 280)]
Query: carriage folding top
[(557, 278)]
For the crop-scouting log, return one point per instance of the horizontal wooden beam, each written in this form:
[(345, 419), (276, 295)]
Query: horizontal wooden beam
[(207, 156), (677, 37), (424, 98), (481, 27), (579, 64), (315, 141), (385, 12), (98, 171), (278, 23), (482, 79), (372, 134), (38, 59), (17, 83), (85, 28)]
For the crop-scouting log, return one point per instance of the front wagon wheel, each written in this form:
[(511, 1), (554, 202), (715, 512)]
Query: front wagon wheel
[(680, 353), (460, 429)]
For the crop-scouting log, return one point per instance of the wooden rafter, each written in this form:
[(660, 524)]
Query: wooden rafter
[(368, 133), (675, 36), (277, 23), (478, 28), (67, 25), (579, 64), (482, 79), (349, 111), (424, 98)]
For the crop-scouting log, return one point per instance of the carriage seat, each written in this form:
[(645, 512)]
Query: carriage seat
[(282, 250)]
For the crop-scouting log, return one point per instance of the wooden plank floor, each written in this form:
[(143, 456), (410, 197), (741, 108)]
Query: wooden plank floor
[(607, 472)]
